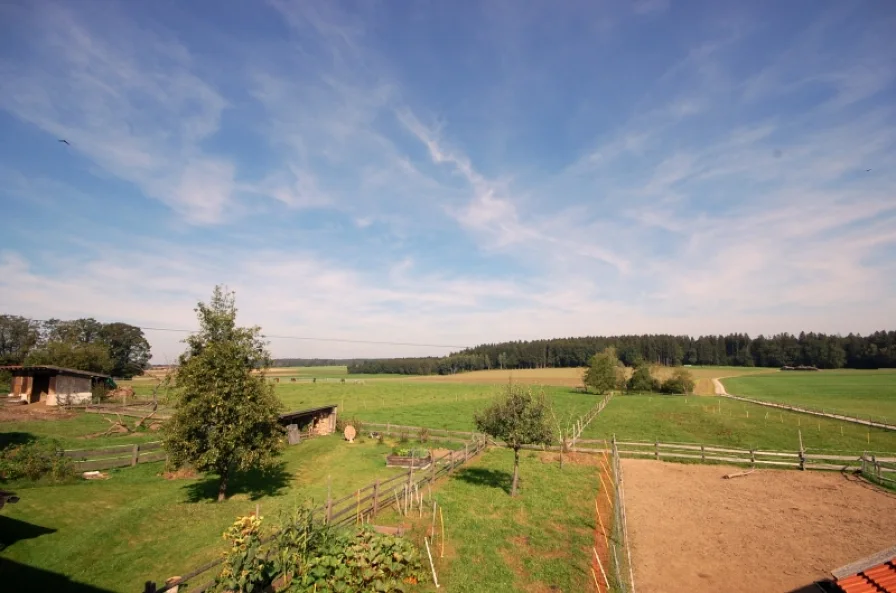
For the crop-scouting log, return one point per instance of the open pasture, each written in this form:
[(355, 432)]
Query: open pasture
[(435, 405), (722, 421), (851, 392), (572, 377), (114, 534)]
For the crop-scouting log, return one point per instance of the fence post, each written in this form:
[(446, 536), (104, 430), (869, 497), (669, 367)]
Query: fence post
[(753, 457), (702, 454), (432, 467), (657, 450), (466, 453), (376, 497), (149, 587), (135, 455)]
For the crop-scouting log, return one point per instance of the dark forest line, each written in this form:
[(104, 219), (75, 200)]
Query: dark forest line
[(876, 350)]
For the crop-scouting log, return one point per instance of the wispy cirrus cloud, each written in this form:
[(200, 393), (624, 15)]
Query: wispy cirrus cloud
[(355, 175)]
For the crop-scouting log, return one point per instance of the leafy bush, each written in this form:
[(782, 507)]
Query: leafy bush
[(34, 461), (680, 382), (410, 452), (642, 380), (306, 557)]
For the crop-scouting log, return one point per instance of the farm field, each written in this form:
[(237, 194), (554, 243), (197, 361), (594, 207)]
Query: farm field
[(435, 405), (539, 541), (572, 377), (72, 430), (851, 392), (770, 531), (115, 534), (722, 421)]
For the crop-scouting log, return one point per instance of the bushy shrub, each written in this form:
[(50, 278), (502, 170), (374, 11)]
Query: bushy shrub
[(642, 380), (306, 557), (681, 382), (34, 461)]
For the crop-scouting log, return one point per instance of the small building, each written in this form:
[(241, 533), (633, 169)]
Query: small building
[(53, 385), (319, 421)]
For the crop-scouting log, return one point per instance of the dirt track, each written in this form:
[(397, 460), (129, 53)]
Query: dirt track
[(771, 531)]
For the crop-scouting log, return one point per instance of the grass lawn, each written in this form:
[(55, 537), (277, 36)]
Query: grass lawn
[(539, 541), (116, 534), (866, 393), (70, 431), (436, 405), (697, 419)]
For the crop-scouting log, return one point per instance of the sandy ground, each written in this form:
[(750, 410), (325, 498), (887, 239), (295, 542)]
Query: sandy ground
[(772, 531)]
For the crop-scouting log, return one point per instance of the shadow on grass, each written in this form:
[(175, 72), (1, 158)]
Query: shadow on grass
[(11, 439), (21, 577), (492, 478), (13, 530), (256, 483)]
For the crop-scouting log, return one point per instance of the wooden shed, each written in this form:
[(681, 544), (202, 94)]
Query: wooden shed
[(319, 421), (53, 385)]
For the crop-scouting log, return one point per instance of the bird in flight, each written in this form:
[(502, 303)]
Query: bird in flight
[(867, 170), (64, 142)]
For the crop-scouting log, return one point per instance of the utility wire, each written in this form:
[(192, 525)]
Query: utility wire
[(346, 341)]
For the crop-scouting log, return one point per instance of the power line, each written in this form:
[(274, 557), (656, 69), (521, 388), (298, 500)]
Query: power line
[(310, 339)]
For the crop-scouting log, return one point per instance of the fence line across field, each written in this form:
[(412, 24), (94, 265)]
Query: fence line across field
[(885, 425), (361, 505)]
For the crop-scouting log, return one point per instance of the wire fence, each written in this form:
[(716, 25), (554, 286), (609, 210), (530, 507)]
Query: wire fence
[(623, 576)]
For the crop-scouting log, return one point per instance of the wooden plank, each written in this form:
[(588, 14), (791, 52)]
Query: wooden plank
[(104, 452), (151, 457), (88, 466)]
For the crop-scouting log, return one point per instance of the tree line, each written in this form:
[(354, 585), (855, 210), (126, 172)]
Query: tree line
[(825, 351), (116, 349)]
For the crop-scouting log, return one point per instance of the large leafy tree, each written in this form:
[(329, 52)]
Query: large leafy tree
[(604, 372), (128, 348), (518, 417), (226, 417), (74, 355), (18, 336)]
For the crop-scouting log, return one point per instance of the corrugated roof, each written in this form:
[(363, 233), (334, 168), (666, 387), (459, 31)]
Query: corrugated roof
[(880, 578), (295, 413), (49, 367)]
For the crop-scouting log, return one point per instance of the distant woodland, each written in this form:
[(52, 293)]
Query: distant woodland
[(877, 350)]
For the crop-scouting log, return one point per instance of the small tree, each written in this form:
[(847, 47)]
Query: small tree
[(518, 417), (681, 382), (605, 372), (642, 380), (227, 415)]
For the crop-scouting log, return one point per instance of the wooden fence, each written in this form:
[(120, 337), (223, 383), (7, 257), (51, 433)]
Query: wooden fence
[(881, 470), (118, 456), (586, 419), (356, 507), (415, 432), (756, 457), (882, 423)]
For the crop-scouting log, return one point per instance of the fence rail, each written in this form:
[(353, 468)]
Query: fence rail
[(882, 423), (85, 460), (621, 566), (364, 503), (755, 457)]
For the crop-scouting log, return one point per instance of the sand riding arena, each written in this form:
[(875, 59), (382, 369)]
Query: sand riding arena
[(692, 531)]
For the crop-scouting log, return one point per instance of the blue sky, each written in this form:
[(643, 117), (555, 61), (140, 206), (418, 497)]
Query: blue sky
[(451, 172)]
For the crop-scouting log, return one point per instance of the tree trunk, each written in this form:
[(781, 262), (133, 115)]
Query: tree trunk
[(222, 485), (516, 472)]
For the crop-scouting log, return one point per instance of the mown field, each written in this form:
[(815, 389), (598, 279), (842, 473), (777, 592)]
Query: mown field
[(723, 421), (436, 405), (863, 393), (117, 533), (539, 541)]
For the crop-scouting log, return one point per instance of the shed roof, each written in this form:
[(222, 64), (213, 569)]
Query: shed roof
[(305, 412), (47, 368)]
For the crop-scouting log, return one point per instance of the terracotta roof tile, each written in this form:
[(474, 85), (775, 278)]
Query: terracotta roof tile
[(876, 579)]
